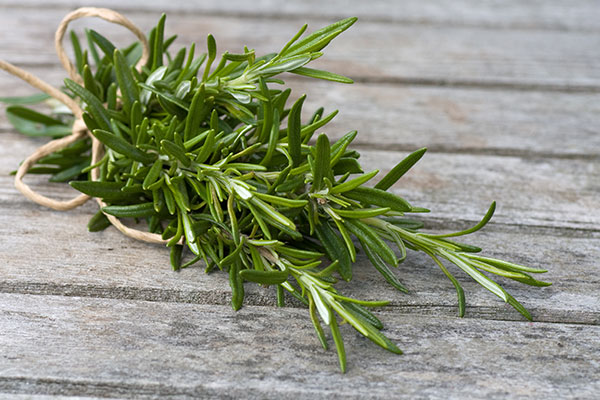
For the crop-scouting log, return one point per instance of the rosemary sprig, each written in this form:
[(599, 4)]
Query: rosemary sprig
[(202, 153)]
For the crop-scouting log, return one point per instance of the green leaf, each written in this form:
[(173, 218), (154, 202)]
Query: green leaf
[(519, 307), (176, 152), (105, 45), (377, 197), (315, 41), (237, 286), (69, 173), (157, 54), (316, 323), (233, 256), (460, 293), (196, 114), (153, 174), (21, 100), (505, 264), (32, 123), (273, 139), (264, 277), (122, 146), (211, 44), (399, 170), (190, 235), (339, 344), (283, 65), (367, 235), (273, 214), (175, 257), (282, 201), (477, 227), (131, 211), (95, 107), (294, 132), (98, 222), (383, 269), (129, 88), (322, 308), (361, 212), (169, 98), (319, 74), (476, 275), (294, 39), (109, 191), (335, 248), (353, 183), (363, 313), (321, 167)]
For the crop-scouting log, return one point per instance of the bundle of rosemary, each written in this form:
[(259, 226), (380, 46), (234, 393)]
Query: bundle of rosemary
[(212, 159)]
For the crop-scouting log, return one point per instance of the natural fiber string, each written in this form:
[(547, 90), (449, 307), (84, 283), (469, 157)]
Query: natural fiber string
[(79, 128), (105, 14)]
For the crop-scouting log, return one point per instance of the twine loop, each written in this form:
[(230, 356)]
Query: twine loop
[(79, 129)]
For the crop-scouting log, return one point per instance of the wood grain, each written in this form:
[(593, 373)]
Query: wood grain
[(474, 121), (504, 93), (431, 55), (181, 350), (533, 14)]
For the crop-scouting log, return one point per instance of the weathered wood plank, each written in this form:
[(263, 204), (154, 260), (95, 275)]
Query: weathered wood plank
[(576, 15), (425, 54), (518, 123), (97, 347), (506, 122)]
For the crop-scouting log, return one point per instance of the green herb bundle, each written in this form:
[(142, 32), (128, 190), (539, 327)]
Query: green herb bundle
[(209, 155)]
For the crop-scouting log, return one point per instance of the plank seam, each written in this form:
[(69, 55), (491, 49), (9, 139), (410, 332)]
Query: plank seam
[(265, 15), (430, 82), (480, 313)]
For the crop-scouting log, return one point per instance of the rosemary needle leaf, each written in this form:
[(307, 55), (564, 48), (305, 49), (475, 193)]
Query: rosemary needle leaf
[(110, 191), (339, 344), (354, 183), (122, 146), (264, 277), (321, 168), (400, 169), (98, 222), (32, 123), (319, 74), (131, 211), (95, 107), (335, 249), (33, 99), (379, 197), (129, 88), (294, 132), (477, 227)]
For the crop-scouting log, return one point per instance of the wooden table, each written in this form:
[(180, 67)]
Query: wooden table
[(506, 96)]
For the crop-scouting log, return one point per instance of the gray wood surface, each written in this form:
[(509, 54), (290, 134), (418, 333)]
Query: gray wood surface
[(136, 348), (404, 53), (506, 97), (445, 119)]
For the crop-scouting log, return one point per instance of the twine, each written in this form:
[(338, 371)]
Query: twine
[(79, 129)]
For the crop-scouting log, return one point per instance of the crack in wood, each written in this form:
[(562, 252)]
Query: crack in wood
[(222, 298)]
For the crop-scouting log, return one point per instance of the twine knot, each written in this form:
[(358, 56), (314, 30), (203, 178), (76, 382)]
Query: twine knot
[(79, 128)]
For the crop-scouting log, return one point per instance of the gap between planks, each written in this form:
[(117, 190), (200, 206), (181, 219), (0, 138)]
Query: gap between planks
[(261, 299), (463, 13)]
